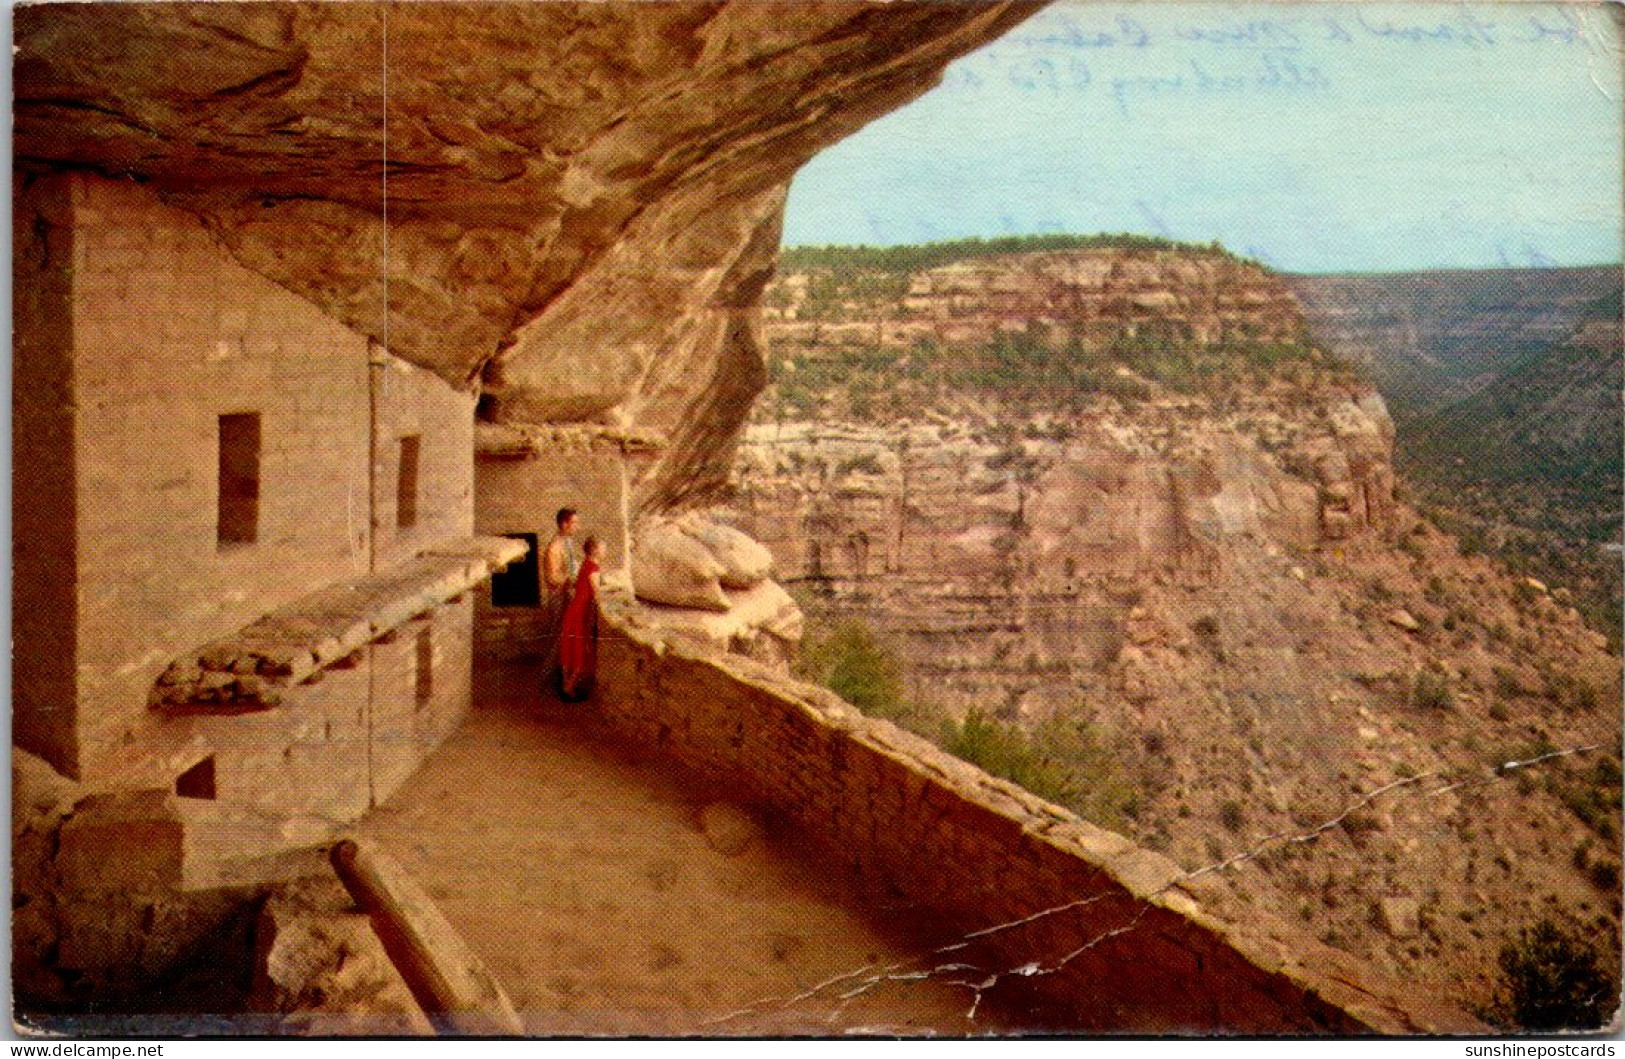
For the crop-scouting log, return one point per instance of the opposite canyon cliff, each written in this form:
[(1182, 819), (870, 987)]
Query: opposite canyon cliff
[(1504, 384), (1103, 517), (583, 199)]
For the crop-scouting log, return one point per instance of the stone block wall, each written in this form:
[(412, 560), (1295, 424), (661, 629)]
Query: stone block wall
[(112, 892), (136, 333), (411, 716), (411, 402), (44, 563), (1114, 937), (309, 755), (347, 741), (169, 333)]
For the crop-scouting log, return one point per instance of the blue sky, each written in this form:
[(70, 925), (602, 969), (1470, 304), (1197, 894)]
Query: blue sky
[(1316, 137)]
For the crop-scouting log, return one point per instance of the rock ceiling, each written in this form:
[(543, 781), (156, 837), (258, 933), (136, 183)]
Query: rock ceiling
[(583, 199)]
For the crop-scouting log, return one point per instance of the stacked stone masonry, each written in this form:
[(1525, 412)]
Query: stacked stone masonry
[(112, 890), (1110, 934), (137, 335)]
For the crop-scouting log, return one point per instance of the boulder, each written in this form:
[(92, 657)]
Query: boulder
[(1403, 619), (322, 969), (763, 623), (1338, 525), (1339, 494), (37, 789), (671, 567), (1332, 468), (745, 563), (1401, 916)]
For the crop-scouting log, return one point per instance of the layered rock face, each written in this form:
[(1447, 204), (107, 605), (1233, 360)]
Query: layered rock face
[(583, 199), (1013, 502), (1002, 543), (1431, 338), (1008, 537), (1093, 296)]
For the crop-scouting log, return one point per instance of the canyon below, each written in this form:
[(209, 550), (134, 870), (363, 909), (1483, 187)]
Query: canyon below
[(1116, 520)]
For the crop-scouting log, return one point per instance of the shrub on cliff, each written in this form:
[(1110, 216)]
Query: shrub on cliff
[(1553, 980), (1004, 750), (1592, 795), (853, 662), (1069, 761), (1175, 360), (1431, 691), (1569, 692), (1021, 362)]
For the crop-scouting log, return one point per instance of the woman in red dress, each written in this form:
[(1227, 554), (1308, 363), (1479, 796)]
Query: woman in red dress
[(578, 633)]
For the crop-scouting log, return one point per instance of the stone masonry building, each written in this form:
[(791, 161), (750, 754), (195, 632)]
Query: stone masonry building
[(243, 542)]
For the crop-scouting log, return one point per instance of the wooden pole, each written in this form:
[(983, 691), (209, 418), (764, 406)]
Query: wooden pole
[(451, 984)]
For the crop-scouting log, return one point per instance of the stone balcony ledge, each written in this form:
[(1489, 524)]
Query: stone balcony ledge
[(248, 670)]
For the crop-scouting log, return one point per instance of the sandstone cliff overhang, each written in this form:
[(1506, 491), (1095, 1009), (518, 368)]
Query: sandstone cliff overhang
[(583, 199), (247, 671)]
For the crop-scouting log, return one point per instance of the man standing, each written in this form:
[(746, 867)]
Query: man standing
[(559, 567)]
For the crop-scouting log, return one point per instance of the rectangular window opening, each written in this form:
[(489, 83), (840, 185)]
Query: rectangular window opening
[(423, 654), (520, 584), (406, 483), (197, 781), (239, 479)]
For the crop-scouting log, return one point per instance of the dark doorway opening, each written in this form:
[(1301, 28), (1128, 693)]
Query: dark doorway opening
[(520, 584), (197, 781), (406, 483)]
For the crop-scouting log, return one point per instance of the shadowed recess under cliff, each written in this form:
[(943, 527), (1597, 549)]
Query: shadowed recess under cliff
[(583, 199)]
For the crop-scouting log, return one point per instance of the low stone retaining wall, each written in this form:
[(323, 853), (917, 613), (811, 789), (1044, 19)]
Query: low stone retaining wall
[(1114, 938), (138, 912), (115, 893)]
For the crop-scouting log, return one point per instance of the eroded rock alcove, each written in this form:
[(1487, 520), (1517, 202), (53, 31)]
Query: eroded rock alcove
[(583, 200), (570, 209)]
